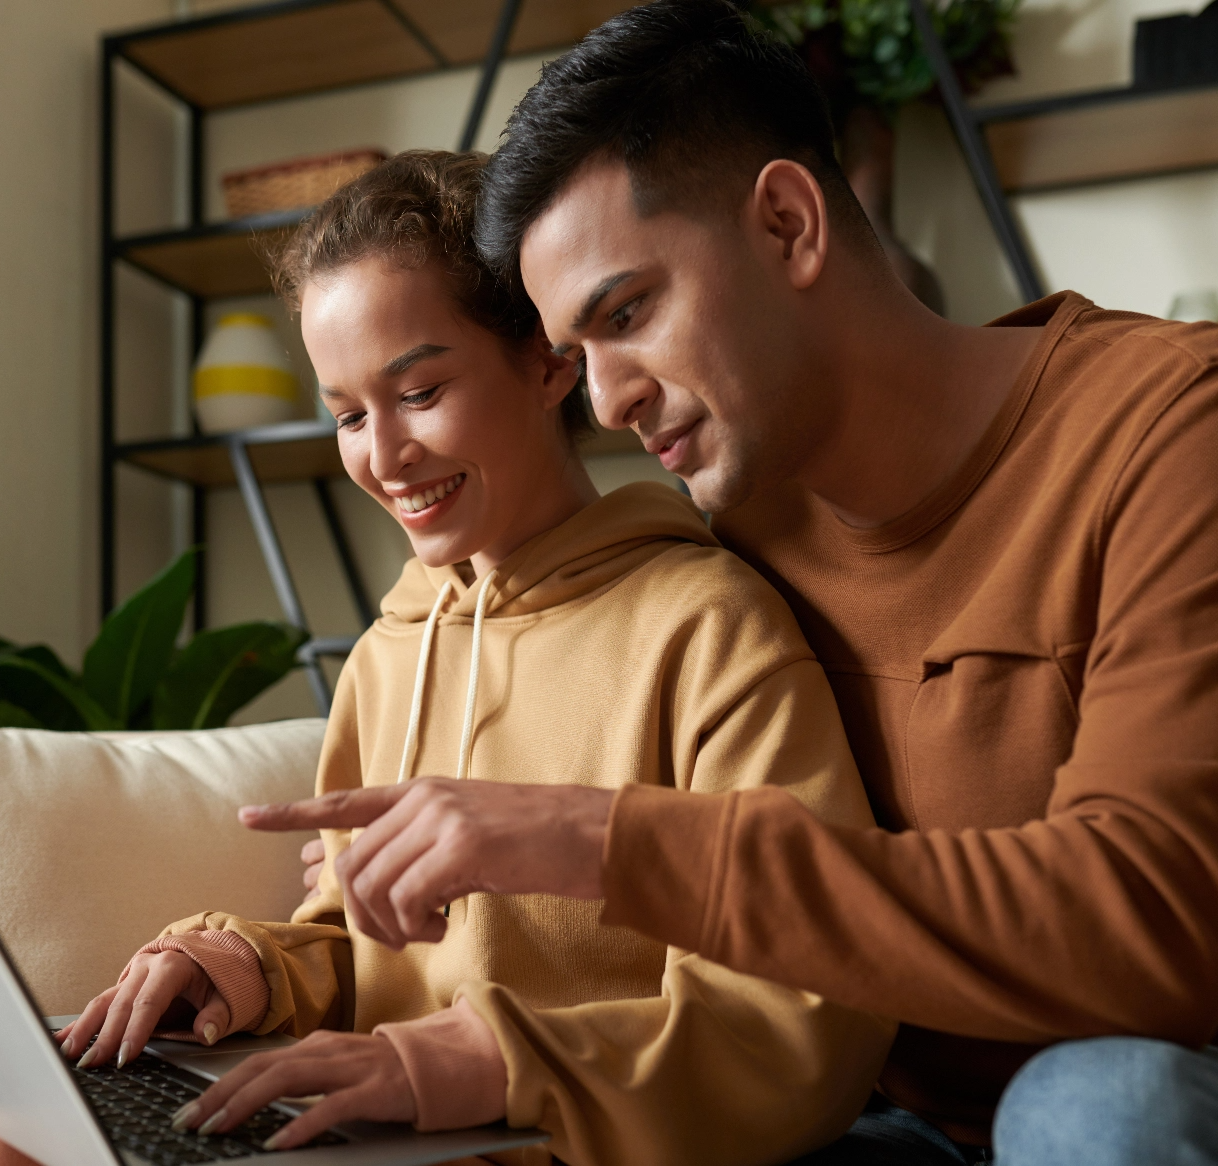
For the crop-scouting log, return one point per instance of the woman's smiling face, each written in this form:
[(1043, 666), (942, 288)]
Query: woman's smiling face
[(455, 434)]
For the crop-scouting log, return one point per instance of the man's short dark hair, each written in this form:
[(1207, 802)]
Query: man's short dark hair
[(689, 95)]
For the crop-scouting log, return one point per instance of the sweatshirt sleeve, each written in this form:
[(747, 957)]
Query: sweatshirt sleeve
[(1098, 918), (721, 1067)]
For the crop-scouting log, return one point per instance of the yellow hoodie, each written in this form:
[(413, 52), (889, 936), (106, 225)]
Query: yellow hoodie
[(623, 646)]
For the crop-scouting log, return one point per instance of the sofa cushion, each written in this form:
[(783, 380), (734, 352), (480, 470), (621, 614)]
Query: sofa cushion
[(105, 840)]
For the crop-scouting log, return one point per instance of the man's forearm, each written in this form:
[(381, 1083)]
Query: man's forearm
[(985, 934)]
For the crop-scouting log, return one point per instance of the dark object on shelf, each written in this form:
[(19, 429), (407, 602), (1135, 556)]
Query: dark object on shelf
[(1171, 51)]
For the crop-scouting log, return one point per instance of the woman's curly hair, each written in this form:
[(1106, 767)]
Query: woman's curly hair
[(416, 208)]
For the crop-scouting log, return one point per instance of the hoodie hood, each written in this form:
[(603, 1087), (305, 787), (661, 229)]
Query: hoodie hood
[(591, 550)]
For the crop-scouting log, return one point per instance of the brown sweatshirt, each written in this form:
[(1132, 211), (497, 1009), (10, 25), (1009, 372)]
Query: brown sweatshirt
[(1027, 667), (623, 646)]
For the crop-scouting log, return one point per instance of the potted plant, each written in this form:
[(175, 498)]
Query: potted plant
[(868, 59), (134, 676)]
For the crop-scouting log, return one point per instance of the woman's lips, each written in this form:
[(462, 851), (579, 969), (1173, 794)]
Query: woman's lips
[(424, 506)]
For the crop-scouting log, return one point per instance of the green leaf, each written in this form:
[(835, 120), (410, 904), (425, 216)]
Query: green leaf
[(222, 669), (13, 717), (45, 656), (53, 700), (133, 650)]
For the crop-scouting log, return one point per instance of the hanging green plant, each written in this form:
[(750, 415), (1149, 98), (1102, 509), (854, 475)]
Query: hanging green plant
[(135, 677), (872, 44)]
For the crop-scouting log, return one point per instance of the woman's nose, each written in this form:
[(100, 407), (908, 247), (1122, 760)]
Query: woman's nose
[(391, 452)]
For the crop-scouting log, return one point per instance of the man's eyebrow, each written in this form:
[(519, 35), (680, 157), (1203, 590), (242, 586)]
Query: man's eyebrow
[(401, 364), (602, 289)]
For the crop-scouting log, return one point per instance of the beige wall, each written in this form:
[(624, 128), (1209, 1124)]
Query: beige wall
[(1130, 245), (48, 250)]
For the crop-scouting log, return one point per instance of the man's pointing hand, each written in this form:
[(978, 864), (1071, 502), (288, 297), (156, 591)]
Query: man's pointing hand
[(432, 840)]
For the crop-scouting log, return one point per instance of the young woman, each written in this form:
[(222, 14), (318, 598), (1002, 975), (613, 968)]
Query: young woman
[(540, 634)]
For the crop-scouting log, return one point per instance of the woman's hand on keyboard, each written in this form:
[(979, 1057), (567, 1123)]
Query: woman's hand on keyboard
[(361, 1076), (125, 1016)]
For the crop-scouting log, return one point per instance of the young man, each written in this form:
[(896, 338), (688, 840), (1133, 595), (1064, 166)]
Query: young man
[(1001, 543)]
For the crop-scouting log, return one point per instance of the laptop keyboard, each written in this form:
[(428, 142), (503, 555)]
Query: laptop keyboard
[(135, 1105)]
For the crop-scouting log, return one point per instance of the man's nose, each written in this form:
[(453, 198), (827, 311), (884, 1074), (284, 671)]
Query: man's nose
[(621, 392)]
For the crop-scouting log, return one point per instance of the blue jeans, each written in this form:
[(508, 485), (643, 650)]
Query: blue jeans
[(1111, 1101)]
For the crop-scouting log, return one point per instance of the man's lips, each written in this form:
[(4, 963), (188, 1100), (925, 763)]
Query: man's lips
[(671, 447)]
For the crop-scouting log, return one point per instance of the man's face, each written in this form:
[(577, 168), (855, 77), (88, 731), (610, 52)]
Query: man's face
[(689, 328)]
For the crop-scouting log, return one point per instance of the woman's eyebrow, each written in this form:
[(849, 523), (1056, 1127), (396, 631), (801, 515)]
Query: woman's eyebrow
[(400, 364)]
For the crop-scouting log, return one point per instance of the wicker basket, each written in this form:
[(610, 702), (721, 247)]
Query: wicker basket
[(297, 183)]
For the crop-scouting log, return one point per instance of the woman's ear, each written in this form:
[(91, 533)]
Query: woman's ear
[(558, 373)]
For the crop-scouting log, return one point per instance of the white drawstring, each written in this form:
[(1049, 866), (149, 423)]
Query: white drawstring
[(410, 747), (471, 695), (420, 680)]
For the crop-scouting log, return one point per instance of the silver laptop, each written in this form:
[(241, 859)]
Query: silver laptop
[(63, 1116)]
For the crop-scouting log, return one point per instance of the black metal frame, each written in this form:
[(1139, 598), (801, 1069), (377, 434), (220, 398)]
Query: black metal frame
[(114, 249), (966, 124)]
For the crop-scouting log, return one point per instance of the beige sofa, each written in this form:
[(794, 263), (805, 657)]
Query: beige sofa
[(107, 839)]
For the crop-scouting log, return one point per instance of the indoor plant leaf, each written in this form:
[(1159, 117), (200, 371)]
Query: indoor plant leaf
[(131, 653), (57, 702), (45, 656), (14, 717), (222, 669)]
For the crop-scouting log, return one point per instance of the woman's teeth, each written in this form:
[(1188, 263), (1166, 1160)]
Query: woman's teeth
[(431, 495)]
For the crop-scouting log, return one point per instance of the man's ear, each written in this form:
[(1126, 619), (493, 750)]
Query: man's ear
[(558, 373), (789, 206)]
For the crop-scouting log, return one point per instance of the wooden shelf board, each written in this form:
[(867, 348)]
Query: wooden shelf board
[(223, 259), (1114, 135), (298, 451), (205, 462), (283, 51), (462, 31), (308, 46)]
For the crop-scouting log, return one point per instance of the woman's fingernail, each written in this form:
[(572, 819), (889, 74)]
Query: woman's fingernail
[(183, 1117), (275, 1140), (124, 1051), (66, 1047), (210, 1032), (213, 1123), (87, 1059)]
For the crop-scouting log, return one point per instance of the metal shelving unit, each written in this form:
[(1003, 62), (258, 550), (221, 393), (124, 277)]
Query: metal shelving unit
[(265, 53), (1077, 139)]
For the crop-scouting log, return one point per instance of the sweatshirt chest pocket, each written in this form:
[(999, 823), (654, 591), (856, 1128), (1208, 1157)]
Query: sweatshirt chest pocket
[(985, 734)]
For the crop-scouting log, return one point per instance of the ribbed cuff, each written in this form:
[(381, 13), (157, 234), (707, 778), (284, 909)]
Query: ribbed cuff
[(454, 1066), (233, 967), (662, 851)]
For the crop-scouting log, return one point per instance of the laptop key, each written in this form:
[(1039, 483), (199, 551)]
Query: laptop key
[(135, 1104)]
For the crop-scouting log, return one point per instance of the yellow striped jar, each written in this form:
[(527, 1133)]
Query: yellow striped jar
[(243, 378)]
